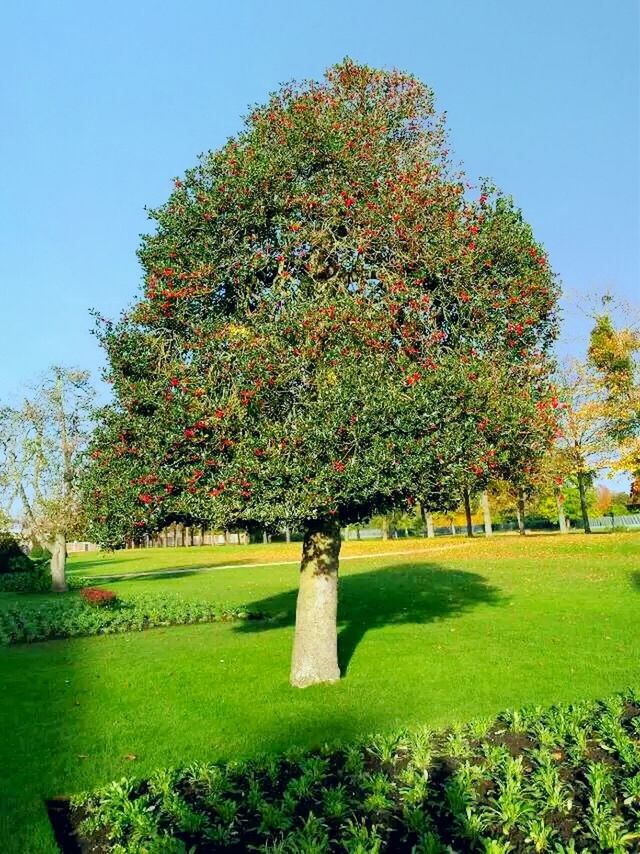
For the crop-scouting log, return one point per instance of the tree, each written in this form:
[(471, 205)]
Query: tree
[(613, 360), (323, 310), (586, 441), (41, 443)]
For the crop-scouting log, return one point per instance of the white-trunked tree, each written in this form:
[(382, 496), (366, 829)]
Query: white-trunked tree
[(42, 441)]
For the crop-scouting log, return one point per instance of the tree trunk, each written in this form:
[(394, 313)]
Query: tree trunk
[(287, 534), (315, 644), (385, 528), (467, 511), (520, 512), (453, 528), (429, 520), (265, 537), (562, 519), (486, 513), (58, 561), (582, 489)]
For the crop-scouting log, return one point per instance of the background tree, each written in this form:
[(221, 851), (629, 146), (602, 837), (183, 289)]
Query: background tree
[(613, 359), (586, 442), (322, 305), (41, 443), (608, 502)]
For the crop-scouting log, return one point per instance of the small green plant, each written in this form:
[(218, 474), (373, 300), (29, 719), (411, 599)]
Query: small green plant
[(380, 794)]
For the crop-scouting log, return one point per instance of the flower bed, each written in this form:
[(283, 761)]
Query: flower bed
[(74, 617), (564, 780), (98, 598)]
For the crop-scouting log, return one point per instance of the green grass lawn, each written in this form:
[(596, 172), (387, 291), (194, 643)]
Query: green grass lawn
[(449, 631)]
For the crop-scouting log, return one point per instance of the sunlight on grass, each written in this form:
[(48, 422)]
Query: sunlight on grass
[(452, 631)]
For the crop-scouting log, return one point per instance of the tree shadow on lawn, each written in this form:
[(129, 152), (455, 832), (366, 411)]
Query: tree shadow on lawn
[(635, 580), (81, 567), (153, 575), (399, 595)]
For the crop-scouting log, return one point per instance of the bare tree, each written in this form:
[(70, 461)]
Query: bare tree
[(41, 447)]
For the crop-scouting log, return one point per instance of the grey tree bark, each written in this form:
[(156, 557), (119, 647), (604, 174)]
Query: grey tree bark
[(562, 519), (429, 520), (315, 644), (58, 561), (520, 513), (486, 513)]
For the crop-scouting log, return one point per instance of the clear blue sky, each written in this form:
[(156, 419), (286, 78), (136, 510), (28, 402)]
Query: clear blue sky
[(103, 103)]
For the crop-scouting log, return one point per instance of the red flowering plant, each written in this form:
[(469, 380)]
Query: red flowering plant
[(98, 597), (325, 310)]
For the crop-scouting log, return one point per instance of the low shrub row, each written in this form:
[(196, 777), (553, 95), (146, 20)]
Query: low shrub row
[(71, 616), (565, 779), (36, 579)]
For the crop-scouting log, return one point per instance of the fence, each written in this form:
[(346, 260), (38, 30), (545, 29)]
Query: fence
[(601, 523)]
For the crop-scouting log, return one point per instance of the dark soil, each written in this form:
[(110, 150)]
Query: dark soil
[(397, 837), (59, 812)]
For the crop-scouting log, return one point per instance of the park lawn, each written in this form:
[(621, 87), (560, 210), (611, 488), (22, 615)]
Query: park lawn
[(451, 631)]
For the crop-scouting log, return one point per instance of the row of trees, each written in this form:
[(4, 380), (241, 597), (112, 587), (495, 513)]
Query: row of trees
[(598, 429), (44, 440), (332, 325)]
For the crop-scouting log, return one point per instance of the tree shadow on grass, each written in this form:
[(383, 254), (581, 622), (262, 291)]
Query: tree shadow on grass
[(635, 580), (409, 594), (153, 574), (179, 566), (111, 580)]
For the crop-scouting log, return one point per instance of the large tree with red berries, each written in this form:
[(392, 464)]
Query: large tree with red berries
[(331, 325)]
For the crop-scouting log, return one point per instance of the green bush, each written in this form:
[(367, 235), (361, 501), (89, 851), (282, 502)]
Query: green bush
[(11, 555), (39, 552), (20, 563), (71, 616), (565, 779), (36, 579)]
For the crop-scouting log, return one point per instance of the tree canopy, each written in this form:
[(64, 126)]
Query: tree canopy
[(331, 324)]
